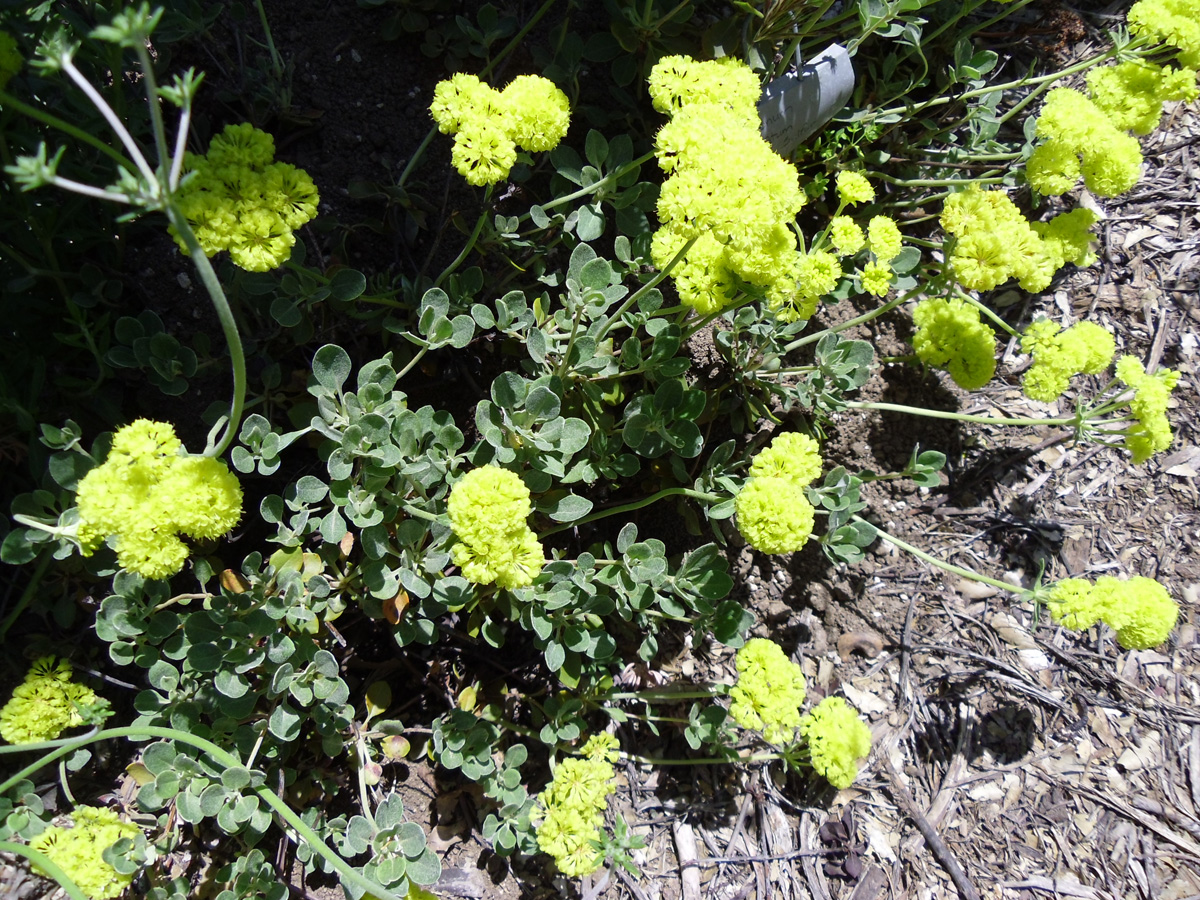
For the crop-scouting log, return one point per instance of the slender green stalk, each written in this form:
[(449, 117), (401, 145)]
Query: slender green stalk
[(118, 127), (859, 320), (636, 504), (1000, 323), (276, 59), (470, 244), (942, 564), (637, 295), (216, 293), (961, 417), (156, 117), (47, 865), (345, 871), (27, 595), (611, 178)]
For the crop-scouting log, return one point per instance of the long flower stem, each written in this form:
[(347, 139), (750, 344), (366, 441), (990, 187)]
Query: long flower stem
[(216, 293), (610, 178), (941, 563), (961, 417), (303, 831), (47, 865), (118, 127), (637, 295), (865, 317), (635, 505), (470, 244)]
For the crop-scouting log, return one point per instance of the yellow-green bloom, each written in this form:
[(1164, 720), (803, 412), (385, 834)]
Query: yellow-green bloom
[(78, 850), (792, 456), (951, 336), (573, 805), (146, 494), (1152, 393), (876, 278), (488, 508), (1057, 356), (845, 235), (883, 238), (853, 187), (769, 691), (1139, 609), (237, 199), (45, 704), (1174, 22), (774, 515), (837, 739), (489, 125)]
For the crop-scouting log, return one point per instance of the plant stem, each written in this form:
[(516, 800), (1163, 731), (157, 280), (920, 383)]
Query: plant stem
[(470, 244), (941, 563), (27, 595), (47, 865), (961, 417), (345, 871), (216, 293), (118, 127), (636, 504), (614, 175), (865, 317), (637, 295)]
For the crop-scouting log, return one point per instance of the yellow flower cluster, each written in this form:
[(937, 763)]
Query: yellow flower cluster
[(1132, 93), (489, 125), (488, 507), (237, 198), (574, 805), (79, 850), (148, 492), (1151, 393), (729, 192), (1058, 355), (1174, 22), (1087, 134), (951, 336), (1139, 609), (994, 242), (773, 513), (45, 704), (769, 692), (853, 187), (837, 739)]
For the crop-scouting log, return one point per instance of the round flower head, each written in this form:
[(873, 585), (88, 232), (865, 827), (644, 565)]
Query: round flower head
[(1174, 22), (853, 187), (79, 850), (769, 691), (460, 100), (1152, 393), (819, 274), (146, 494), (837, 739), (573, 805), (677, 81), (951, 336), (876, 278), (1052, 168), (845, 235), (241, 145), (774, 515), (45, 704), (1139, 609), (1131, 94), (791, 456), (263, 241), (536, 113), (883, 238), (488, 507), (483, 153)]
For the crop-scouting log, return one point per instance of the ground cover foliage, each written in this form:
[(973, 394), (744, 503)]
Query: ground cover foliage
[(560, 412)]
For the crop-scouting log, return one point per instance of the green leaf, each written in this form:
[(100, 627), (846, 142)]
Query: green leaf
[(347, 284), (236, 778), (284, 723), (731, 622), (570, 508), (331, 367), (595, 148), (590, 225)]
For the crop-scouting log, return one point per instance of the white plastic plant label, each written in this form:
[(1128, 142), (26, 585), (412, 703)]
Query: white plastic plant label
[(796, 104)]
